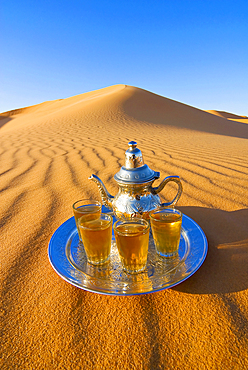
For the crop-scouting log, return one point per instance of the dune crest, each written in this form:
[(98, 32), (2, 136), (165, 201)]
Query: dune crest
[(134, 104), (47, 153), (226, 114), (57, 104), (229, 116)]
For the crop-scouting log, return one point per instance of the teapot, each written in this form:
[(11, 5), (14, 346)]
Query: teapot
[(136, 196)]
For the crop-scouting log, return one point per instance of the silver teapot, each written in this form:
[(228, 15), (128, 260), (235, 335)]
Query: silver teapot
[(136, 196)]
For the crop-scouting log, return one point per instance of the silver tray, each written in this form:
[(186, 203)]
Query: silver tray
[(67, 257)]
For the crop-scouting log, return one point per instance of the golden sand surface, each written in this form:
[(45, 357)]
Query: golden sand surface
[(47, 153)]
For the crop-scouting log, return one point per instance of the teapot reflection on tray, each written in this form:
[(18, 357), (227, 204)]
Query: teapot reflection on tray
[(136, 196)]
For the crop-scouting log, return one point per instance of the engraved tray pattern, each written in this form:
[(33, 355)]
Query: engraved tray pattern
[(67, 257)]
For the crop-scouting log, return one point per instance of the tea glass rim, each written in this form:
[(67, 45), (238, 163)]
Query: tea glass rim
[(91, 202), (132, 221), (88, 223), (164, 210)]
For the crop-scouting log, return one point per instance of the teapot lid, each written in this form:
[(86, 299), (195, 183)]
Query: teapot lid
[(135, 171)]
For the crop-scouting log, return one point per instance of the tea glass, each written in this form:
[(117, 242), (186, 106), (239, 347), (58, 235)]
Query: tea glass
[(87, 210), (96, 237), (166, 230), (132, 238)]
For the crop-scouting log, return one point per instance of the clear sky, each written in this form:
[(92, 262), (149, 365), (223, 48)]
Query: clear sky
[(192, 51)]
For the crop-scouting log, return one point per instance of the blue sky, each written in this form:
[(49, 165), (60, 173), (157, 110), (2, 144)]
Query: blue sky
[(192, 51)]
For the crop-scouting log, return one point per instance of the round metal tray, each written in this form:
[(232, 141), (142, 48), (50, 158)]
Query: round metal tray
[(67, 257)]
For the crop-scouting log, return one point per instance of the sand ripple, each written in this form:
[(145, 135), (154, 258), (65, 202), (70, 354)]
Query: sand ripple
[(47, 153)]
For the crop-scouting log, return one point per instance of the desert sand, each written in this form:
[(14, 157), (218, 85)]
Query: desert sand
[(47, 153)]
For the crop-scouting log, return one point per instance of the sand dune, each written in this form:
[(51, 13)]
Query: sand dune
[(230, 116), (226, 115), (47, 153)]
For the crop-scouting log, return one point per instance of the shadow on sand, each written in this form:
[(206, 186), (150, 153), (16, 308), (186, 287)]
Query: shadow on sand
[(4, 120), (148, 107), (225, 269)]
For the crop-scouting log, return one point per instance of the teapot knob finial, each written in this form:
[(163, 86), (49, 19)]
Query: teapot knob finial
[(132, 144), (133, 156)]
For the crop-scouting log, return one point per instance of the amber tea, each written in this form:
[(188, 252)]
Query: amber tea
[(166, 230), (132, 238), (96, 237), (87, 210)]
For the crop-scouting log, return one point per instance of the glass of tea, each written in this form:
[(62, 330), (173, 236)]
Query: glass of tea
[(132, 238), (166, 230), (96, 237), (87, 210)]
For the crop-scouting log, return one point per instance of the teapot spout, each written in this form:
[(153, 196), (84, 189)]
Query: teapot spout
[(106, 197)]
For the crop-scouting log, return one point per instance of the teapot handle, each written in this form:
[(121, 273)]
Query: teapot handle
[(177, 180)]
